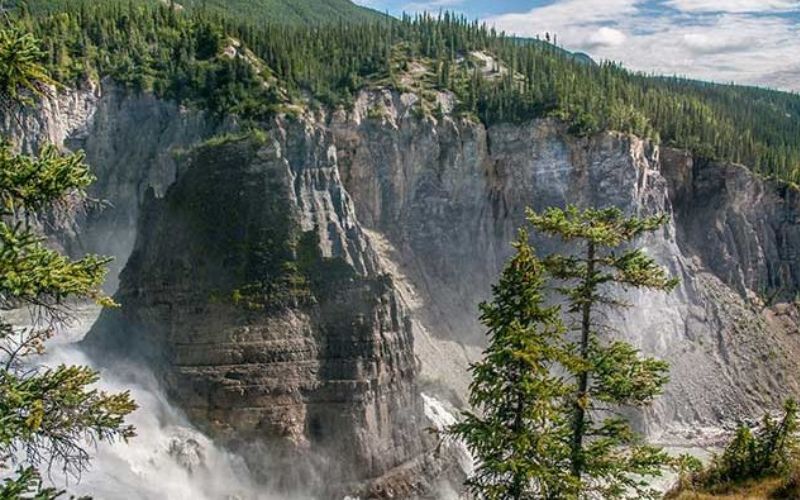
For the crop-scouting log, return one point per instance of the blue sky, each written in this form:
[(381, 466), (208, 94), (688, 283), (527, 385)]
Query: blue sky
[(753, 42)]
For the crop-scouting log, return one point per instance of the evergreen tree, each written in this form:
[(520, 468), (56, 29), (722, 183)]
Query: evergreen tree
[(46, 414), (21, 72), (518, 431), (606, 457), (542, 425)]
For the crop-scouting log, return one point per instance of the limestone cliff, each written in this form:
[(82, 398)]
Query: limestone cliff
[(448, 195), (283, 284), (254, 293)]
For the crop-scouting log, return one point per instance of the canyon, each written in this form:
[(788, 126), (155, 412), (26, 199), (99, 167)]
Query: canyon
[(298, 287)]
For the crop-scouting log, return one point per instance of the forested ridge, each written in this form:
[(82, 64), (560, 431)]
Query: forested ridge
[(283, 11), (255, 66)]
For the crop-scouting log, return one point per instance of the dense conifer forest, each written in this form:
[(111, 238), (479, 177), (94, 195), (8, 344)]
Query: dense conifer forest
[(279, 11), (232, 61)]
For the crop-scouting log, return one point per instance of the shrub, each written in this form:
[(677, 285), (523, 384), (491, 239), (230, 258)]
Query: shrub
[(769, 451)]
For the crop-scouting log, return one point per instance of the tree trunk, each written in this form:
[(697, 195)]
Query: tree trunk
[(579, 423)]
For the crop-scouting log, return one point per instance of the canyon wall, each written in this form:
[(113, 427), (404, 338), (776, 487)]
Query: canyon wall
[(448, 195), (297, 287)]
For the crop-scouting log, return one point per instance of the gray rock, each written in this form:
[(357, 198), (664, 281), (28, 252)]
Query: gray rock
[(313, 364), (448, 196), (329, 383)]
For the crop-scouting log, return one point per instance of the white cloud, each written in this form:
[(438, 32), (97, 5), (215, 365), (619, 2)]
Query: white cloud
[(730, 44), (565, 15), (605, 37), (703, 43), (732, 47), (734, 6)]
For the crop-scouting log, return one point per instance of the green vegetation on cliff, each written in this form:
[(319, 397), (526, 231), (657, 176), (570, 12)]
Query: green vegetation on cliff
[(259, 11), (233, 63), (288, 11)]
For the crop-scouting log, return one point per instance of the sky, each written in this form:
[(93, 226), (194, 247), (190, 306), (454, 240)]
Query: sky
[(753, 42)]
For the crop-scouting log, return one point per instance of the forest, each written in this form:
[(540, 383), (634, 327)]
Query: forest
[(232, 62)]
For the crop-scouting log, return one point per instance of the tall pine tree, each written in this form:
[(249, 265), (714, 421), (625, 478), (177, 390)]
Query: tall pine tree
[(518, 431), (543, 424), (606, 456)]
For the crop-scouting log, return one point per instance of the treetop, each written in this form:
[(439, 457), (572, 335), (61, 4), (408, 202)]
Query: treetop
[(607, 227)]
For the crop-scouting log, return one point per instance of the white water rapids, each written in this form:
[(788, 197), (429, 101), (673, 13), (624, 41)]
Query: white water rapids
[(168, 459)]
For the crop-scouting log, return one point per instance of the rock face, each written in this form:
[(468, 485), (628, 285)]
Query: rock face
[(745, 229), (132, 143), (254, 293), (283, 284), (451, 195), (448, 195)]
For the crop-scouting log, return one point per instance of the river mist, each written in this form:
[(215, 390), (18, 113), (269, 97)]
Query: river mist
[(168, 458)]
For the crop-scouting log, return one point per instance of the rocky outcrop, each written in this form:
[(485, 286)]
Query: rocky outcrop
[(253, 291), (284, 284), (449, 194)]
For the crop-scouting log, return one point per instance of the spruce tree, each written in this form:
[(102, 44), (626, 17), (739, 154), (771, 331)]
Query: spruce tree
[(518, 431), (606, 456), (47, 415), (544, 395)]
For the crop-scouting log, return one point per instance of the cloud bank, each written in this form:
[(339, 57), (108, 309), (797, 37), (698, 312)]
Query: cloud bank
[(752, 42)]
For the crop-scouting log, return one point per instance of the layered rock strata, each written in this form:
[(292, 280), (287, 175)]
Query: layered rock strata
[(284, 284)]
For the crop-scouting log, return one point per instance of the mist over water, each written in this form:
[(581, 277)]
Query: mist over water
[(168, 459)]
